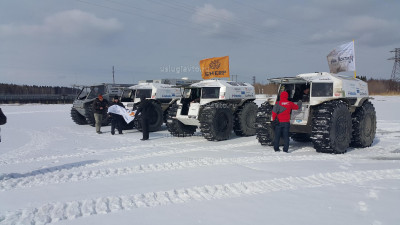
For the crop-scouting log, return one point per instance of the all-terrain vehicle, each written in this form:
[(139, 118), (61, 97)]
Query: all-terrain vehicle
[(82, 110), (162, 94), (215, 106), (336, 112)]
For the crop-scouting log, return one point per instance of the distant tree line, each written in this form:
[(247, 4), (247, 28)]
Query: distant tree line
[(14, 89), (375, 86)]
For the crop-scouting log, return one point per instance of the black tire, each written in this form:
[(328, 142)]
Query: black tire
[(77, 117), (331, 127), (216, 122), (176, 127), (155, 118), (264, 130), (128, 126), (364, 126), (245, 118), (89, 114), (301, 137)]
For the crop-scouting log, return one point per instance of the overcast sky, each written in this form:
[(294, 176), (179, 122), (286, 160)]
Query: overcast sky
[(65, 42)]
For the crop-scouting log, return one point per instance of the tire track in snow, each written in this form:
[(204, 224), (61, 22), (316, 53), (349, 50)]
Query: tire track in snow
[(58, 211), (39, 111), (41, 178), (16, 160)]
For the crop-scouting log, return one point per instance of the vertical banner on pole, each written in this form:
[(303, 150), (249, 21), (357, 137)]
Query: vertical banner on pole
[(342, 58)]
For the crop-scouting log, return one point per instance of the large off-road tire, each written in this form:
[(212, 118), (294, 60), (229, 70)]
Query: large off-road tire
[(155, 118), (77, 117), (89, 115), (216, 121), (264, 130), (245, 118), (364, 125), (301, 137), (176, 127), (128, 126), (331, 127)]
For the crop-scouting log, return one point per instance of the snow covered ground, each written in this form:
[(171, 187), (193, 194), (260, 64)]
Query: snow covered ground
[(54, 171)]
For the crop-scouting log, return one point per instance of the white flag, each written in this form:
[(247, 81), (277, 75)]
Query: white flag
[(127, 114), (342, 58)]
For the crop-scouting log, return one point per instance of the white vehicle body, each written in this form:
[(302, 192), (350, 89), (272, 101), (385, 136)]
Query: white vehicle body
[(323, 87), (336, 112), (156, 91), (212, 91)]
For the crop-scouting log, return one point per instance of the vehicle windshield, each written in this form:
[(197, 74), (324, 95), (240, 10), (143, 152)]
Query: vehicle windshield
[(128, 95), (145, 92), (83, 93), (95, 91), (186, 93), (210, 92)]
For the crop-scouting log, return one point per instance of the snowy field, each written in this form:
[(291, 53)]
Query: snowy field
[(54, 171)]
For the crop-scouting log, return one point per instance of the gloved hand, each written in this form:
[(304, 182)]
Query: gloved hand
[(299, 103)]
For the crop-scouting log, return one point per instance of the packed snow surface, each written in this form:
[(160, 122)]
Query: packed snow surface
[(55, 171)]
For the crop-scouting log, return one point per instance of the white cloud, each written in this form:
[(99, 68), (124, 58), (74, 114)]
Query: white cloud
[(64, 25), (365, 29), (213, 21)]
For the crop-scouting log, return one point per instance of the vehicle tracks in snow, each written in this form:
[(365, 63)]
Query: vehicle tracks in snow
[(84, 170), (46, 177), (17, 160), (58, 211)]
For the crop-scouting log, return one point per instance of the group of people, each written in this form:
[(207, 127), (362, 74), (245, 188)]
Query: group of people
[(100, 106), (281, 112)]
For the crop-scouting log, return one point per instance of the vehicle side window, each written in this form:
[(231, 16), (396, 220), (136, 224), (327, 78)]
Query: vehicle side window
[(145, 92), (210, 92), (322, 90)]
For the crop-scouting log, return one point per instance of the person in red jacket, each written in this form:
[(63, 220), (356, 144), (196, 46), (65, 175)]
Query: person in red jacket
[(282, 109)]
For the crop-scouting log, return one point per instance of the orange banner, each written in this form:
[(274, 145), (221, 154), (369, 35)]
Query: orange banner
[(216, 67)]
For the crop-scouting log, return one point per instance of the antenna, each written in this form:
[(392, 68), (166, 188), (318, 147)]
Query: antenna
[(395, 78), (113, 76)]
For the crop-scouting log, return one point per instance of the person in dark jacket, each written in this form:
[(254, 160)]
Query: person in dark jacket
[(282, 110), (99, 108), (117, 121), (144, 109), (3, 120)]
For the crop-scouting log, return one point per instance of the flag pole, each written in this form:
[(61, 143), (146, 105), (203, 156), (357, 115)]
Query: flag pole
[(355, 74)]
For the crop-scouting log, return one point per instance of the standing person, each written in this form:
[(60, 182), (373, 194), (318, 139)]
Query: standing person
[(99, 107), (145, 107), (116, 120), (282, 109), (3, 120)]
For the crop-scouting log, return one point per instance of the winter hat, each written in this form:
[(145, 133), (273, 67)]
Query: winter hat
[(100, 96)]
